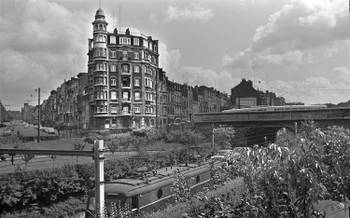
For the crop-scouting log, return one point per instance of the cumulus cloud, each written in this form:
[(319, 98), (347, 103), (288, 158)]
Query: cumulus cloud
[(193, 12), (41, 44), (170, 61), (300, 32)]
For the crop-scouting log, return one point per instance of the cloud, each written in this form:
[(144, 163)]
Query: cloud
[(41, 43), (193, 12), (170, 61), (300, 32)]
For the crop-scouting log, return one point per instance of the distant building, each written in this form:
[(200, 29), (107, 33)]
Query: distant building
[(245, 95), (27, 113), (3, 113), (14, 115)]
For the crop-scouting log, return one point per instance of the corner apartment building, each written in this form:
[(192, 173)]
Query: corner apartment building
[(124, 87), (122, 72)]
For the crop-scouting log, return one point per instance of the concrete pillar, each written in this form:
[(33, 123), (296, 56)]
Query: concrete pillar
[(99, 179)]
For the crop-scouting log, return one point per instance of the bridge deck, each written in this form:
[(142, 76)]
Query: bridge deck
[(328, 114)]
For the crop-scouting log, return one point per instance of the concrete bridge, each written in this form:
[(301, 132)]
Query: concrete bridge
[(256, 127)]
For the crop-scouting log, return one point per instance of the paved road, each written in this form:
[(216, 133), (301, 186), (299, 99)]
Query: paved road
[(45, 162)]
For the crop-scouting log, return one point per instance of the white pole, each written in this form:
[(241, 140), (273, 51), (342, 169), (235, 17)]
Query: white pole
[(99, 179)]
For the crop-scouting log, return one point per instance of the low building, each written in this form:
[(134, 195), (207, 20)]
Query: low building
[(245, 95)]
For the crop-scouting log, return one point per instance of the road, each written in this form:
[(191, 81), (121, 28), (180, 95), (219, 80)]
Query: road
[(46, 162)]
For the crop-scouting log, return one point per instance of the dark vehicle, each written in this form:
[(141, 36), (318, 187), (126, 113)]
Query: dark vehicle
[(150, 193)]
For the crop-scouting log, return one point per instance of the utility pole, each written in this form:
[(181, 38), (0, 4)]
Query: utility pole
[(38, 140), (213, 139), (157, 73)]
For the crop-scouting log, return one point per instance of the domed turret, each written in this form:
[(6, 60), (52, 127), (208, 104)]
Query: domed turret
[(99, 14)]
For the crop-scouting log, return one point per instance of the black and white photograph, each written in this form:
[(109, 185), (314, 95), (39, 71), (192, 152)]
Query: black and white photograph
[(174, 108)]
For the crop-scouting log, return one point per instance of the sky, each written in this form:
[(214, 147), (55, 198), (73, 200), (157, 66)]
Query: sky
[(298, 49)]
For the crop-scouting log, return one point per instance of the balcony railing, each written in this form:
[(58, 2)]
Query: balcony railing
[(125, 112), (125, 73), (100, 84), (126, 86), (126, 100)]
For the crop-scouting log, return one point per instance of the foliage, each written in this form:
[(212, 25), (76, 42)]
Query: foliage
[(285, 179), (67, 208), (181, 187), (189, 137), (197, 204), (223, 137)]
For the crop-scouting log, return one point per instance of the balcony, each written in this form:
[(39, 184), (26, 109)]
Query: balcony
[(126, 113), (125, 73), (126, 86), (126, 83), (100, 84), (126, 100)]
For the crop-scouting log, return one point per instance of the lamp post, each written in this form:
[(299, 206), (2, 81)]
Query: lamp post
[(38, 90)]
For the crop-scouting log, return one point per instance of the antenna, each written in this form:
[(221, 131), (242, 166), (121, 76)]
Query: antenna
[(99, 3), (120, 16)]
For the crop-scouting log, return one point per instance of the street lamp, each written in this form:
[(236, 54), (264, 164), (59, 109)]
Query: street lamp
[(38, 90)]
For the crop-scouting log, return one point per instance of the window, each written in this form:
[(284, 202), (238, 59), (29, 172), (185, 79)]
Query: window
[(113, 95), (145, 43), (101, 109), (137, 96), (136, 69), (134, 202), (160, 193), (137, 109), (106, 124), (126, 95), (136, 55), (113, 54), (113, 68), (112, 40), (136, 41), (100, 38), (114, 110), (124, 41), (198, 179), (125, 109), (113, 81), (137, 82), (125, 68), (114, 121), (100, 52), (155, 48), (148, 83), (149, 109), (149, 96)]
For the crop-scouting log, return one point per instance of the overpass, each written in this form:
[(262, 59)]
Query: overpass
[(254, 126)]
